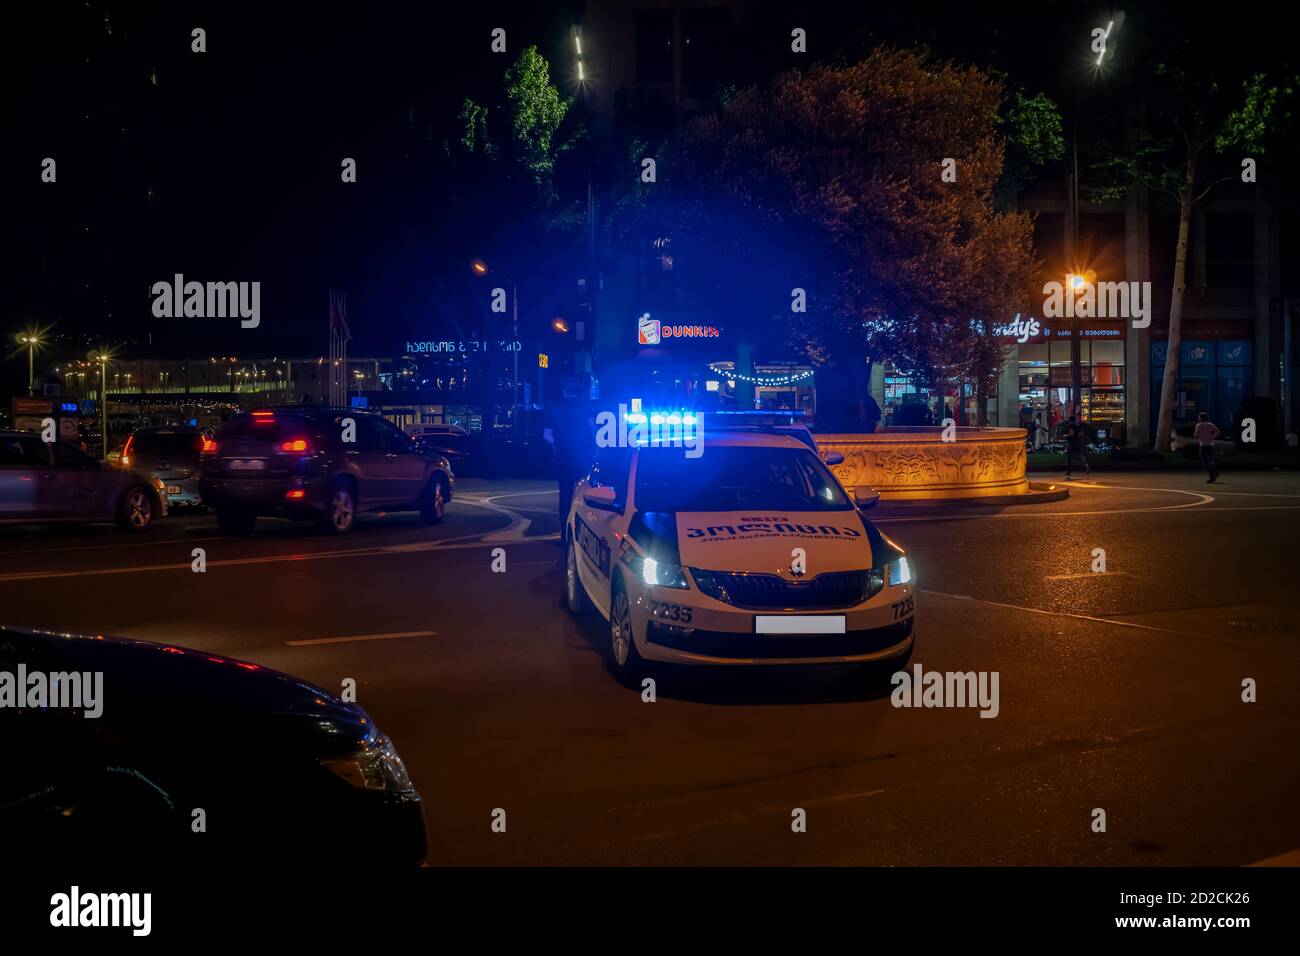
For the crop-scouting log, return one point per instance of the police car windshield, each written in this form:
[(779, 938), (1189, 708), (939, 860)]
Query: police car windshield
[(735, 478)]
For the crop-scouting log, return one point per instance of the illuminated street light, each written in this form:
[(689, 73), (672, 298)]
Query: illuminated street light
[(103, 356), (31, 340), (1104, 37), (481, 268)]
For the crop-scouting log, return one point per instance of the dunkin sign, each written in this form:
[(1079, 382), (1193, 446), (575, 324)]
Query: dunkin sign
[(650, 332)]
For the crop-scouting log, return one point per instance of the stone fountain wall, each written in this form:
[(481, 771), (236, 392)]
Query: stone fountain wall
[(903, 463)]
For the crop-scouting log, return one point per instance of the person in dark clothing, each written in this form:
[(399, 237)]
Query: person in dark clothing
[(873, 413), (1076, 446), (571, 432)]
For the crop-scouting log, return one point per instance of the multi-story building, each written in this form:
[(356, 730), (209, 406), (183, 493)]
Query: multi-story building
[(659, 62)]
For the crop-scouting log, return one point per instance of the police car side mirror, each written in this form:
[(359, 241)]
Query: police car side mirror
[(602, 497), (832, 458), (866, 497)]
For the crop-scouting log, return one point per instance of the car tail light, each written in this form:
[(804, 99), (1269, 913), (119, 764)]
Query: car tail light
[(126, 452), (297, 444), (209, 447), (295, 494)]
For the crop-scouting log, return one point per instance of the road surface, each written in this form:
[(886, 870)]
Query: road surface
[(1119, 691)]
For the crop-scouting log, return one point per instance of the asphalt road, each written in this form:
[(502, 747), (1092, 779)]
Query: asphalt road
[(1119, 691)]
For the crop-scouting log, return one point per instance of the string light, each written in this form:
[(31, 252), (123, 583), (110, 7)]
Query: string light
[(762, 380)]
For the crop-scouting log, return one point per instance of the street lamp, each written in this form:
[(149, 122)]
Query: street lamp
[(102, 357), (1106, 52), (480, 268), (31, 340)]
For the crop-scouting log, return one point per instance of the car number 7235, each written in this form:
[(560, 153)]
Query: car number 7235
[(902, 608), (671, 612)]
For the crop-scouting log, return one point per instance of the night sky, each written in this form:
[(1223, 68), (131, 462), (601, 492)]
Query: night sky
[(227, 168)]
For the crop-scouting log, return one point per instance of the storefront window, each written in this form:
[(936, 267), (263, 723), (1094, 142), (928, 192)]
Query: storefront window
[(1046, 382), (1213, 377)]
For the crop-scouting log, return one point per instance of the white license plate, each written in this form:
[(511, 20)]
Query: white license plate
[(799, 624), (245, 464), (173, 489)]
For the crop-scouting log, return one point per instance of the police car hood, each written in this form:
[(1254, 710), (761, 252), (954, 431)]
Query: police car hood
[(764, 540)]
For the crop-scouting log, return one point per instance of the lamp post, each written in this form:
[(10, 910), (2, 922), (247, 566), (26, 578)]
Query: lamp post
[(480, 268), (589, 269), (1076, 345), (102, 358), (31, 341)]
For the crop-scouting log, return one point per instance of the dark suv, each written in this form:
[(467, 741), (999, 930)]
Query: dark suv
[(321, 464)]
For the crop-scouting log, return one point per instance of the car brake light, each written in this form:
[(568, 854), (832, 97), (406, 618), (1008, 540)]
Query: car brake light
[(126, 451), (295, 493), (298, 444), (209, 447)]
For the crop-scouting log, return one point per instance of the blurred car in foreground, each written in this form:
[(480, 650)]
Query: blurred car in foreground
[(275, 764), (48, 482), (171, 454), (319, 464)]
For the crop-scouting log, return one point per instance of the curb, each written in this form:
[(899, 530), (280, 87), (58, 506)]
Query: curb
[(1039, 493)]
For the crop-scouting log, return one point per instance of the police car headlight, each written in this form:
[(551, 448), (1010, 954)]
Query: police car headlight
[(662, 574), (900, 572)]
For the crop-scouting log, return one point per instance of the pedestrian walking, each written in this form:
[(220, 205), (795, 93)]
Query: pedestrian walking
[(1076, 445), (1206, 431)]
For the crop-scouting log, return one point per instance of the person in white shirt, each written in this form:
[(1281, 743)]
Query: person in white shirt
[(1206, 431)]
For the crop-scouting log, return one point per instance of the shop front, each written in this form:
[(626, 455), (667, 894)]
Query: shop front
[(1046, 382), (1215, 372), (1036, 384)]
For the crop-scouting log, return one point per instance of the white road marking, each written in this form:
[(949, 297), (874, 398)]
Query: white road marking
[(362, 637), (1085, 574), (1083, 617), (515, 531), (1250, 494), (378, 551), (156, 543)]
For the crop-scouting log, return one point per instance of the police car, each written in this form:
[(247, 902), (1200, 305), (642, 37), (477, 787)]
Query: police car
[(747, 551)]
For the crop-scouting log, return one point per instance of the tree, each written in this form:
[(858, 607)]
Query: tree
[(832, 180), (1201, 121), (519, 131), (503, 156)]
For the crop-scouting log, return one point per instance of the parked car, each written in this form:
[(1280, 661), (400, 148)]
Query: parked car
[(172, 454), (274, 764), (319, 464), (468, 454), (424, 430), (45, 482)]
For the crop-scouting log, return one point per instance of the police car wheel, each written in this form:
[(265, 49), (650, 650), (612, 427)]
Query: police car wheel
[(624, 660), (575, 596)]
